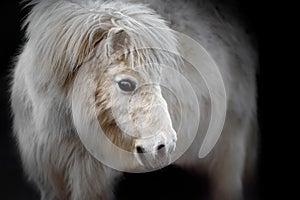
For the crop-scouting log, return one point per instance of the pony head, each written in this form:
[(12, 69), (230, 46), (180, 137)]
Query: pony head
[(107, 60)]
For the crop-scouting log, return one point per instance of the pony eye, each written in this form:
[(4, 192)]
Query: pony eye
[(127, 85)]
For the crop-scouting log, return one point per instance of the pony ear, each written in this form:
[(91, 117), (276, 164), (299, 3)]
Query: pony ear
[(117, 41), (109, 44), (87, 44), (96, 38), (69, 50)]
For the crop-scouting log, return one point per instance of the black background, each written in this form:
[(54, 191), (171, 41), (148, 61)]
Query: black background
[(169, 183)]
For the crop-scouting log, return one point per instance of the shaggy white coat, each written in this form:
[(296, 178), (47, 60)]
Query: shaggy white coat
[(60, 36)]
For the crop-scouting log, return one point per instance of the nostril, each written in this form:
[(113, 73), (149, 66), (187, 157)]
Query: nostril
[(140, 149), (160, 147)]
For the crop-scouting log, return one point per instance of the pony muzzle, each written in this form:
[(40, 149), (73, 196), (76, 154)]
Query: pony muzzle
[(155, 152)]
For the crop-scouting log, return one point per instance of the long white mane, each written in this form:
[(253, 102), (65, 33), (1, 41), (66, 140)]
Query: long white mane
[(71, 30)]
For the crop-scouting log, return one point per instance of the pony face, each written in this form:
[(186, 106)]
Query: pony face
[(133, 114)]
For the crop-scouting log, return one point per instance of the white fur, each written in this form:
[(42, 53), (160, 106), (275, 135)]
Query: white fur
[(53, 155)]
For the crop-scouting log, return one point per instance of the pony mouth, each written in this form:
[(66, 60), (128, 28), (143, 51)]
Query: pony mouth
[(153, 163), (155, 160)]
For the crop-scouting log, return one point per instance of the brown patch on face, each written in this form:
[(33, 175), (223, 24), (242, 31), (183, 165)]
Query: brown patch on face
[(105, 117), (113, 132)]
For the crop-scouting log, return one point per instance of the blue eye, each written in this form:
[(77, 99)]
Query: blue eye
[(127, 85)]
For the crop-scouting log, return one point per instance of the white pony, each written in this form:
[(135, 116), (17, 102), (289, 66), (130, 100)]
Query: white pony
[(89, 64)]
